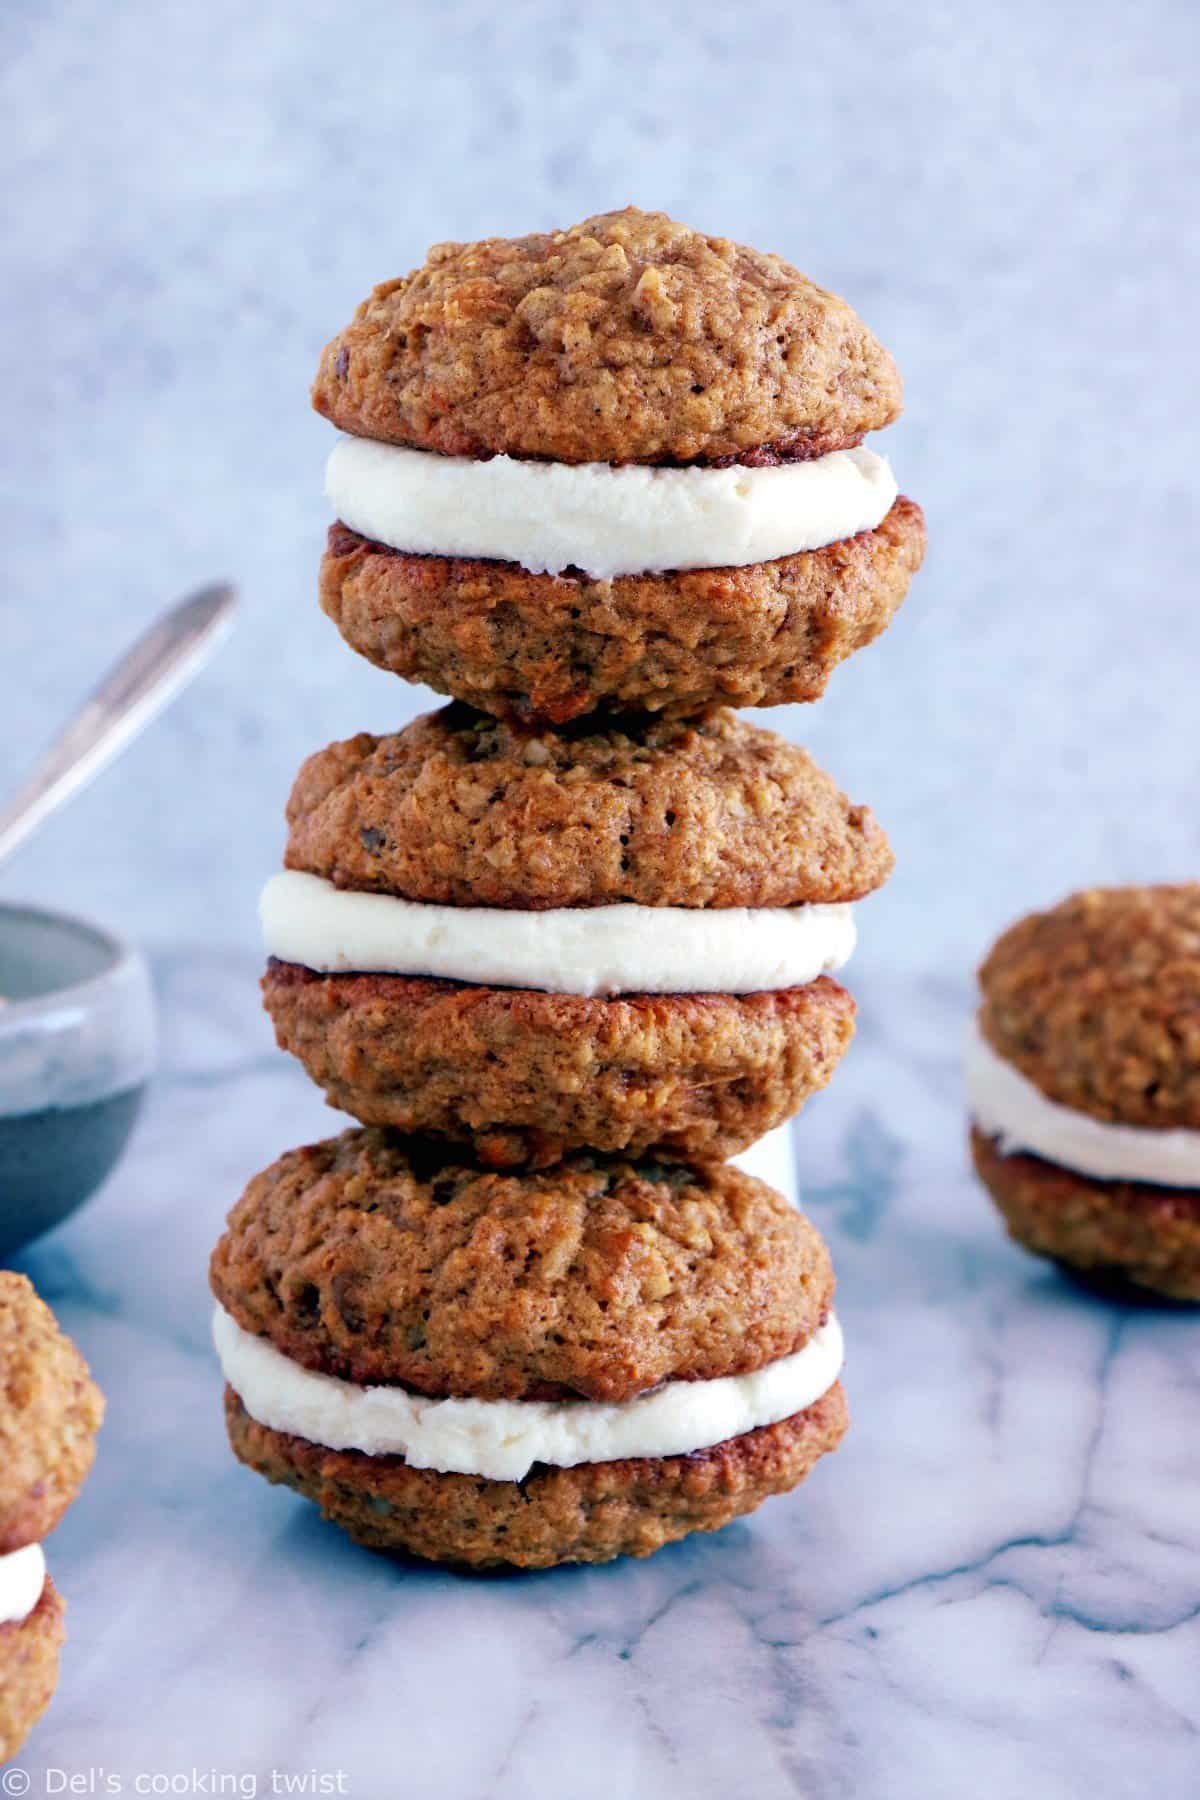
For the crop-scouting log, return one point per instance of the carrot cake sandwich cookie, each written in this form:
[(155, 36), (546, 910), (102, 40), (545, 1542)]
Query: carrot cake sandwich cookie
[(528, 1368), (567, 949), (1084, 1085), (542, 941), (618, 467), (50, 1411)]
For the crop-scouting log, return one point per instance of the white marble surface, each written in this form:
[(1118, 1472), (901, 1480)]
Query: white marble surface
[(993, 1588)]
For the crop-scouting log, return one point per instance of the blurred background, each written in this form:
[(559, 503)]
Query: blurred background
[(198, 197)]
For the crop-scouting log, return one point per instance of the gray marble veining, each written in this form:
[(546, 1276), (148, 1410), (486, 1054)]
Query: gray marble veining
[(993, 1588)]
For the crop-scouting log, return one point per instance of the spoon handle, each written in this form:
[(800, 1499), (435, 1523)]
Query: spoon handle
[(154, 670)]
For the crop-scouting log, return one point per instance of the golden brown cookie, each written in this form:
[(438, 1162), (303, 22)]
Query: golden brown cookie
[(626, 339), (462, 809), (29, 1669), (587, 1514), (383, 1259), (50, 1412), (555, 647), (525, 1076), (1142, 1234), (1097, 1002)]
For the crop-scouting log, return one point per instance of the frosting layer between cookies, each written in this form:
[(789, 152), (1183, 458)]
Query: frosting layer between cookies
[(772, 1158), (1008, 1107), (501, 1440), (588, 950), (603, 519), (22, 1578)]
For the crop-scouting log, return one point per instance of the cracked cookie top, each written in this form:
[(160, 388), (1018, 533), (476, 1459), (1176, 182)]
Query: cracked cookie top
[(463, 809), (626, 339)]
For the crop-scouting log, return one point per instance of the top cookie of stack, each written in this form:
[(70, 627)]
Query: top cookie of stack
[(618, 467)]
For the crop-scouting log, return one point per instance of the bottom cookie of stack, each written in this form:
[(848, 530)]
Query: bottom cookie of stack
[(561, 1365)]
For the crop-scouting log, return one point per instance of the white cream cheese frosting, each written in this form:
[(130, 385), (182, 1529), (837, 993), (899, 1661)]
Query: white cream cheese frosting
[(773, 1159), (22, 1578), (585, 950), (1008, 1107), (603, 519), (501, 1440)]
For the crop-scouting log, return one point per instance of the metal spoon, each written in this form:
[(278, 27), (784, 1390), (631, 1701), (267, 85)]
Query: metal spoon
[(150, 674)]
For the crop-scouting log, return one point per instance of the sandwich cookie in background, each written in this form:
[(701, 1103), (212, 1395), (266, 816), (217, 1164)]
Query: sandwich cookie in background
[(50, 1412), (615, 467), (525, 1367), (1083, 1081), (596, 938)]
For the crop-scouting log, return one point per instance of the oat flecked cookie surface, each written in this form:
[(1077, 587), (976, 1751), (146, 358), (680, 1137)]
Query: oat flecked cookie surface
[(388, 1261), (530, 1256), (554, 647), (525, 1076), (1129, 1233), (50, 1412), (627, 338), (461, 809), (1097, 1002), (378, 1258), (29, 1670)]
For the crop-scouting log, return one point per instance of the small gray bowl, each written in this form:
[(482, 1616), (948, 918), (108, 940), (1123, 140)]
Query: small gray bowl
[(77, 1046)]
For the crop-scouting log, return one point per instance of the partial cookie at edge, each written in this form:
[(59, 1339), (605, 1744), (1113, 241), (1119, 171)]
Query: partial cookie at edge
[(51, 1412), (29, 1669)]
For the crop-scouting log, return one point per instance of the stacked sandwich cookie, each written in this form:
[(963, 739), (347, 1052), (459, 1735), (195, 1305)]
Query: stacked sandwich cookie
[(1083, 1082), (614, 938), (567, 945), (50, 1411), (618, 467), (564, 1364)]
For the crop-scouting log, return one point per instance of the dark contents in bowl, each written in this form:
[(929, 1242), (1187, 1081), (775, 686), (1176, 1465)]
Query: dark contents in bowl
[(76, 1052), (51, 1161)]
